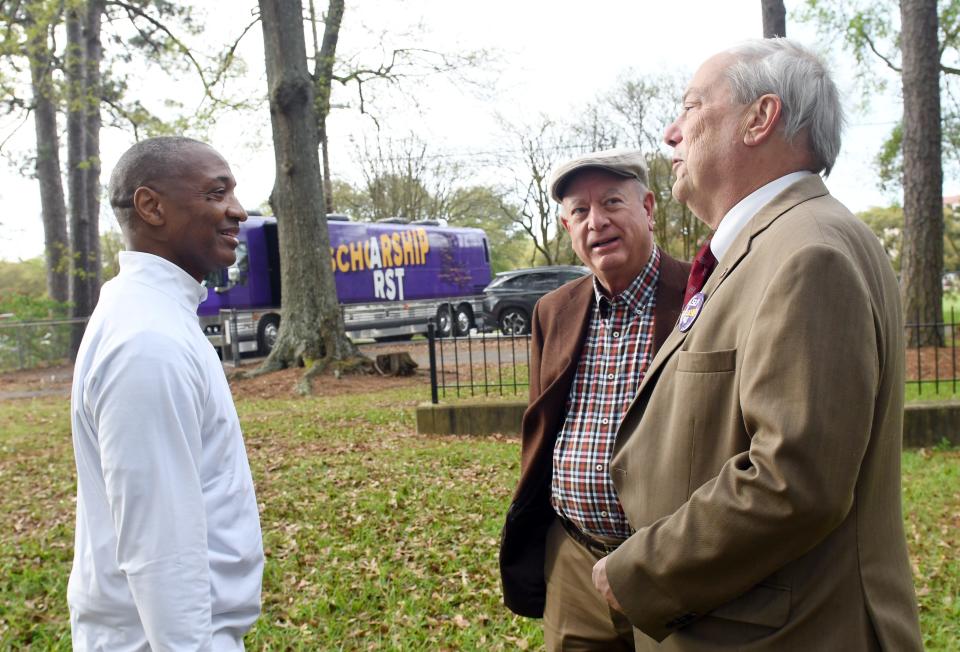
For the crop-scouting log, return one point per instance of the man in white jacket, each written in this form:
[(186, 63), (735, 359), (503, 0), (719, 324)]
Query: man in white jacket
[(168, 551)]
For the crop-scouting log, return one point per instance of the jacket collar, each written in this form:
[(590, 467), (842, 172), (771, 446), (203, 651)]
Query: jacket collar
[(163, 276), (804, 190)]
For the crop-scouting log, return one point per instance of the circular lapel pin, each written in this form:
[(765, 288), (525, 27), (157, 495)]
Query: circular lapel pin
[(691, 311)]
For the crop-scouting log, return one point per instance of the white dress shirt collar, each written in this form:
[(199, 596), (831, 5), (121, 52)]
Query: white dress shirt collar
[(738, 216), (165, 276)]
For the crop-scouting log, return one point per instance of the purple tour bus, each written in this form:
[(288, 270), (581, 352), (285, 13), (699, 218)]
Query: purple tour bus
[(390, 278)]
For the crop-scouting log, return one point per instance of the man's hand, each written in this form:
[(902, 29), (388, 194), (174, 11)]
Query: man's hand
[(600, 581)]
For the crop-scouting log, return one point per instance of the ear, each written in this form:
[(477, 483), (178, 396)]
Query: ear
[(761, 120), (563, 221), (146, 205), (649, 203)]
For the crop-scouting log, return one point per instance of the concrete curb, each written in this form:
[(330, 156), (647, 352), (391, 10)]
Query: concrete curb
[(930, 423), (924, 424), (468, 418)]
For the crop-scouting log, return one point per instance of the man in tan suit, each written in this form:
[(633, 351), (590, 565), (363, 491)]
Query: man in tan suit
[(592, 341), (760, 462)]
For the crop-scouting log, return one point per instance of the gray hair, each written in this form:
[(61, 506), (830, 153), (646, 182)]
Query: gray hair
[(146, 162), (801, 80)]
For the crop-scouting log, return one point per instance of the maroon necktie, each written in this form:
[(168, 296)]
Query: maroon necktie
[(703, 264)]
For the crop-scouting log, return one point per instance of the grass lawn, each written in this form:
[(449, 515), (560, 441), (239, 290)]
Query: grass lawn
[(951, 300), (376, 537), (931, 391)]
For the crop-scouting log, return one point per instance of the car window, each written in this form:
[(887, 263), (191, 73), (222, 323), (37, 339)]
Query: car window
[(543, 281), (566, 277), (521, 282)]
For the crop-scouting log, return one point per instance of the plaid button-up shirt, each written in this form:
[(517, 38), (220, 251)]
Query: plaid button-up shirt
[(616, 354)]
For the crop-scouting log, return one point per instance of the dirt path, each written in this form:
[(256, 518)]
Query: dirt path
[(55, 381)]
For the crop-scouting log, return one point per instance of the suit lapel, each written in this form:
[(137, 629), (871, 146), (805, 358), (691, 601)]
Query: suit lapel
[(803, 190), (564, 341), (670, 287)]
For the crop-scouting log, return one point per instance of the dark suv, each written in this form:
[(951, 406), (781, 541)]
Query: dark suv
[(509, 299)]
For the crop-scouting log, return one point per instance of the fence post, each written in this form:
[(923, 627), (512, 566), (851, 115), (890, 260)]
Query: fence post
[(431, 349), (916, 343), (20, 355)]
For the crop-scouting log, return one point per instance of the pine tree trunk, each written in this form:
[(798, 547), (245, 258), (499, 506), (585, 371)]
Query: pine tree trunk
[(774, 18), (312, 329), (922, 259), (93, 55), (52, 203), (81, 305), (83, 57)]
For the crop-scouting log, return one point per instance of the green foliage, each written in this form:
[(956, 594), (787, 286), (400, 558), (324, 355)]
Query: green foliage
[(889, 160), (869, 30), (887, 223), (27, 307), (25, 277), (32, 345), (111, 244), (375, 537), (944, 446)]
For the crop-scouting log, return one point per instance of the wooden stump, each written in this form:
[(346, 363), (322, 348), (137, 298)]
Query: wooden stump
[(395, 364)]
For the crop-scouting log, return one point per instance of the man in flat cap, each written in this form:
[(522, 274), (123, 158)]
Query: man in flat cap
[(592, 341)]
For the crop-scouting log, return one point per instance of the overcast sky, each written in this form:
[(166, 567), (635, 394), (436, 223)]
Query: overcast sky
[(549, 57)]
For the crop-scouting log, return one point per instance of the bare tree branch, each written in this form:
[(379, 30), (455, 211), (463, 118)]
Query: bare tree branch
[(873, 48), (27, 112)]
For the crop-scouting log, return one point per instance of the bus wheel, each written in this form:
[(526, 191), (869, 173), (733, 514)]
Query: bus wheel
[(444, 321), (267, 333), (463, 320)]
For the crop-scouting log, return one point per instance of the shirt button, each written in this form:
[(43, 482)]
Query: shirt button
[(604, 421), (610, 376), (603, 514), (616, 333), (599, 467)]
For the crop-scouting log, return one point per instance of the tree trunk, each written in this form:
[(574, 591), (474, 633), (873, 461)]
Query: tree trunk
[(922, 259), (93, 55), (81, 305), (312, 329), (323, 77), (774, 18), (83, 57), (327, 181), (52, 203)]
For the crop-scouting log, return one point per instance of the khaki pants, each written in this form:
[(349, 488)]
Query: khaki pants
[(576, 617)]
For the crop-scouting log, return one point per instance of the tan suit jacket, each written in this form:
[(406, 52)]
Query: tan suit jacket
[(760, 461), (560, 321)]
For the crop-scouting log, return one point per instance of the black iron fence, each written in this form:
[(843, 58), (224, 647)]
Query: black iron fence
[(30, 344), (932, 355), (492, 363), (497, 364), (484, 364)]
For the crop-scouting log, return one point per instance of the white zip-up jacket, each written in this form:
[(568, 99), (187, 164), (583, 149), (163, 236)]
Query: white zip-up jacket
[(168, 552)]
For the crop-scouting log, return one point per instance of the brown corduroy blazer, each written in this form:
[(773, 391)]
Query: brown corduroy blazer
[(559, 328), (760, 461)]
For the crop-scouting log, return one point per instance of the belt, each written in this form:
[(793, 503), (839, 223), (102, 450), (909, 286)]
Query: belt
[(584, 539)]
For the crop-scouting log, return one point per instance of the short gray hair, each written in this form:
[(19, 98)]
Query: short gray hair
[(146, 162), (801, 80)]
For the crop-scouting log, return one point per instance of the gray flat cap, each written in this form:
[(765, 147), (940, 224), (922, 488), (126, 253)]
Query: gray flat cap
[(625, 162)]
